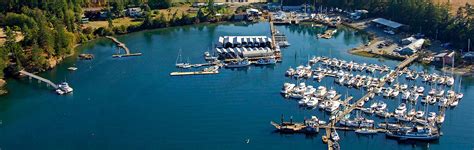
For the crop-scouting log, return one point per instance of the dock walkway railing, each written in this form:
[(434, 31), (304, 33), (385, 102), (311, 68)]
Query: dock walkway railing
[(49, 82)]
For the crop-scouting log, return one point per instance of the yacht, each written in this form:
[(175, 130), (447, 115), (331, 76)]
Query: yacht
[(401, 109), (360, 104), (440, 118), (313, 102), (287, 88), (395, 93), (321, 91), (304, 101), (416, 133), (414, 97), (426, 99), (334, 105), (454, 103), (450, 81), (309, 90), (403, 86), (65, 88), (349, 123), (381, 106), (331, 94), (412, 112), (440, 93), (432, 92), (388, 92)]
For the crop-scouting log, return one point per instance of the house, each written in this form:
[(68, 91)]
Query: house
[(411, 48), (134, 12), (357, 14), (253, 11), (446, 58)]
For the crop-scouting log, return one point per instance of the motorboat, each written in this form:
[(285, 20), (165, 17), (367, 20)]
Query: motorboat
[(349, 123), (406, 95), (388, 92), (313, 102), (395, 93), (304, 100), (360, 104), (365, 123), (287, 88), (412, 112), (431, 116), (209, 57), (334, 105), (414, 97), (401, 109), (440, 93), (321, 91), (443, 102), (440, 118), (309, 90), (64, 86), (335, 136), (290, 72), (420, 89), (381, 106), (426, 99), (403, 86), (331, 94), (420, 114), (432, 92), (454, 103), (450, 81)]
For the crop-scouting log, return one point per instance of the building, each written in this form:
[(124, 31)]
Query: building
[(244, 47), (411, 48), (387, 24), (446, 58)]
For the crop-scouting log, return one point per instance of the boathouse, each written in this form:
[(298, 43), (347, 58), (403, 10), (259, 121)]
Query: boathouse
[(412, 47), (387, 24), (244, 47)]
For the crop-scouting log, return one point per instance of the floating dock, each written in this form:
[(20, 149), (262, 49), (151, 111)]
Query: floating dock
[(193, 73)]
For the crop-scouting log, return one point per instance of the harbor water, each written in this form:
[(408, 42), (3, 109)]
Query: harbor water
[(133, 103)]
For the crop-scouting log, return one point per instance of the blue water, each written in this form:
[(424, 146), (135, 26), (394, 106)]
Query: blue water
[(133, 103)]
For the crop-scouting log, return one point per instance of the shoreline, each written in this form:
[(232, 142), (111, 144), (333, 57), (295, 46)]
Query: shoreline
[(362, 51)]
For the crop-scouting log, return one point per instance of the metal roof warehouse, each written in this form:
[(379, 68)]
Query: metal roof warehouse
[(387, 23)]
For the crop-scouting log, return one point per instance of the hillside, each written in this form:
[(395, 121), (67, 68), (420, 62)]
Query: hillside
[(456, 3)]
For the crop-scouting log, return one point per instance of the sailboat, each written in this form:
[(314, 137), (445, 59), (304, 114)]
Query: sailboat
[(179, 61)]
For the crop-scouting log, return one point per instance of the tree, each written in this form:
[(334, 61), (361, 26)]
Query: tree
[(37, 58), (211, 8)]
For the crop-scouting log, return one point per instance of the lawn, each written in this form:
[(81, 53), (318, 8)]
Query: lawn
[(116, 22)]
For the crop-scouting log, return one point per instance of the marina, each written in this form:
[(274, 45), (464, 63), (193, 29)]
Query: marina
[(229, 108)]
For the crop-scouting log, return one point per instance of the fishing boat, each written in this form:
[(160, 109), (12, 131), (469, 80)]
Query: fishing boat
[(238, 63), (416, 133), (366, 131)]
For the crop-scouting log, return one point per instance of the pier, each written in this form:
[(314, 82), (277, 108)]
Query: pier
[(121, 45), (41, 79), (351, 107), (193, 73)]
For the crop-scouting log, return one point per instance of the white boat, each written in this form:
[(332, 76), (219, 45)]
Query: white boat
[(309, 90), (238, 64), (335, 136), (403, 86), (401, 109), (65, 88), (72, 68), (366, 131), (420, 89), (381, 106), (420, 114), (360, 104), (304, 101), (349, 123), (59, 92), (432, 92), (405, 95), (313, 102), (388, 92), (412, 112), (440, 118), (331, 94), (431, 116), (334, 105), (287, 88), (290, 72), (459, 96), (321, 91), (395, 93), (443, 101), (440, 93), (450, 81), (414, 97)]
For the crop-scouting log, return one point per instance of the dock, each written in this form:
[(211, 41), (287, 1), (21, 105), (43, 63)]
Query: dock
[(41, 79), (121, 45), (193, 73), (351, 107)]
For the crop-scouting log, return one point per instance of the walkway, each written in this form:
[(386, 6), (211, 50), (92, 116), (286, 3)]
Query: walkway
[(39, 78), (122, 46)]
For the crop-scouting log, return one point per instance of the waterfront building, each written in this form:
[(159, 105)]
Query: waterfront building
[(387, 24), (446, 57), (411, 48)]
